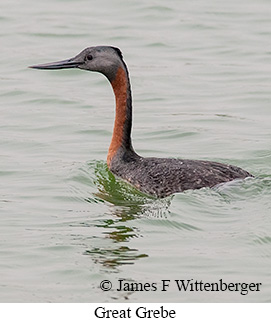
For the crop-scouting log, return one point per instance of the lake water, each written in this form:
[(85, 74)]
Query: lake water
[(200, 73)]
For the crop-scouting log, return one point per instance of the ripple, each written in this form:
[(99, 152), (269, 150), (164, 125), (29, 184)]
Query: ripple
[(250, 188), (263, 240), (114, 257), (198, 77), (262, 243)]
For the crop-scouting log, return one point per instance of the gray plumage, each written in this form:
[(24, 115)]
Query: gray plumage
[(162, 177)]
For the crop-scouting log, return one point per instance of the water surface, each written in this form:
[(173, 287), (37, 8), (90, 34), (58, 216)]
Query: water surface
[(200, 75)]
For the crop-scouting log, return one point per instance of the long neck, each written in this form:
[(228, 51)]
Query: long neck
[(123, 117)]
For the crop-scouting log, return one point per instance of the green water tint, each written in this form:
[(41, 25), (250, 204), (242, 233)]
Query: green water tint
[(120, 193), (129, 204), (117, 191), (200, 91), (115, 257)]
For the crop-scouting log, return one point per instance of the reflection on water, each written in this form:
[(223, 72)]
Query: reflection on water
[(115, 191), (127, 200), (116, 230), (115, 257), (206, 95), (127, 204), (117, 235)]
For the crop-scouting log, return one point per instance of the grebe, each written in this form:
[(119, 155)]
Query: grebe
[(159, 177)]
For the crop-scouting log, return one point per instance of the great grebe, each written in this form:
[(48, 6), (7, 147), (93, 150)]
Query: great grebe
[(160, 177)]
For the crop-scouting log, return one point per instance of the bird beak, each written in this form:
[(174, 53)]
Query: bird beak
[(68, 63)]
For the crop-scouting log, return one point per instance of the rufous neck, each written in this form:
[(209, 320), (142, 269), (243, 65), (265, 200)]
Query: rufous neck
[(123, 118)]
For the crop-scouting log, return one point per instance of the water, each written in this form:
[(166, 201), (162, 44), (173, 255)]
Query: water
[(200, 73)]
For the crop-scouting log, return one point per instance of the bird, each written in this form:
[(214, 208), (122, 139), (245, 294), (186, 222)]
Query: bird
[(154, 176)]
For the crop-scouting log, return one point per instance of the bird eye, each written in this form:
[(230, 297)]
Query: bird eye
[(89, 57)]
